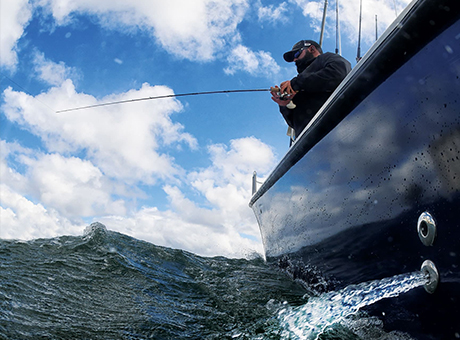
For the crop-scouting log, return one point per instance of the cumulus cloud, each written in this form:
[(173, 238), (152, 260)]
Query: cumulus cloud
[(14, 17), (23, 219), (273, 13), (259, 63), (69, 188), (190, 29), (227, 183), (122, 140), (196, 30), (226, 226), (50, 72), (169, 229), (75, 187), (10, 175)]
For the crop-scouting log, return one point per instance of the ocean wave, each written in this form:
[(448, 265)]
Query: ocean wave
[(106, 285)]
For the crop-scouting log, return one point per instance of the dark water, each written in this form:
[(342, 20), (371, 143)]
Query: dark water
[(105, 285)]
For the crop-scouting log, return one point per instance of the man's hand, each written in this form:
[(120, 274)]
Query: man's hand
[(286, 87), (277, 99), (280, 102)]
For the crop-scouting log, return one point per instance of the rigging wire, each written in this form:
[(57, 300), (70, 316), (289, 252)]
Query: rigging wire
[(160, 97)]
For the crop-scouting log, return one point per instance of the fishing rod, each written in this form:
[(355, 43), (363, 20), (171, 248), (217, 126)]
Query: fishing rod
[(161, 97)]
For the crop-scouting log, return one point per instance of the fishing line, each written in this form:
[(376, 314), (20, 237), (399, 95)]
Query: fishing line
[(161, 97), (26, 91)]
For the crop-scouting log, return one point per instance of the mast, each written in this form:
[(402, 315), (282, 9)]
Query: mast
[(358, 57), (323, 24), (338, 47)]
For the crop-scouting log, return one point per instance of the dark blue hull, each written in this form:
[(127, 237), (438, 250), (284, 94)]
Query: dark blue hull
[(384, 149)]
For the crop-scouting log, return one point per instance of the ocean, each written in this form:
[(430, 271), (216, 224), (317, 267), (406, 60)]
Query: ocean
[(106, 285)]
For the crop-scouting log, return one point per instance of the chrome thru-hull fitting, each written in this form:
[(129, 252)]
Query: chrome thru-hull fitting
[(430, 270), (426, 229)]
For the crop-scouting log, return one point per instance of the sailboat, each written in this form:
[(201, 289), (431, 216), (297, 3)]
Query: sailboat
[(371, 187)]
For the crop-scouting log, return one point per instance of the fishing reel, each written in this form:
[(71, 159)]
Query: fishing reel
[(283, 96), (277, 91)]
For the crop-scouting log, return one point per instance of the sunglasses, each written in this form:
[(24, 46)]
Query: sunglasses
[(299, 52)]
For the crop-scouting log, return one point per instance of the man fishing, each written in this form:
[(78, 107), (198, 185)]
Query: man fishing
[(318, 75)]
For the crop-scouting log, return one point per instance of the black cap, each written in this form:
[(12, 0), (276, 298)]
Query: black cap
[(289, 56)]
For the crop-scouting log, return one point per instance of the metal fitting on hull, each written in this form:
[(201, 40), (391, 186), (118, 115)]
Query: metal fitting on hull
[(426, 229), (430, 270)]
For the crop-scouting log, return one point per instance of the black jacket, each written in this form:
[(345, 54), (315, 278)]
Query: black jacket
[(315, 84)]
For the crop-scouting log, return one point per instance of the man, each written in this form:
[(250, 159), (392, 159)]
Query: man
[(318, 76)]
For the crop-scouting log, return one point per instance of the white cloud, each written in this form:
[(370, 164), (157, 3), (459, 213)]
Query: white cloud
[(273, 13), (227, 183), (121, 140), (22, 219), (195, 30), (14, 17), (69, 188), (259, 63), (222, 227), (50, 72), (168, 228), (190, 212), (72, 186), (10, 175)]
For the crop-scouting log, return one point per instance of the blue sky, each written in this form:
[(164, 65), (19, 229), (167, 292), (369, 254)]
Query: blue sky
[(174, 172)]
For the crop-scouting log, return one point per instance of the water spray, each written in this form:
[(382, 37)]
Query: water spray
[(319, 313)]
